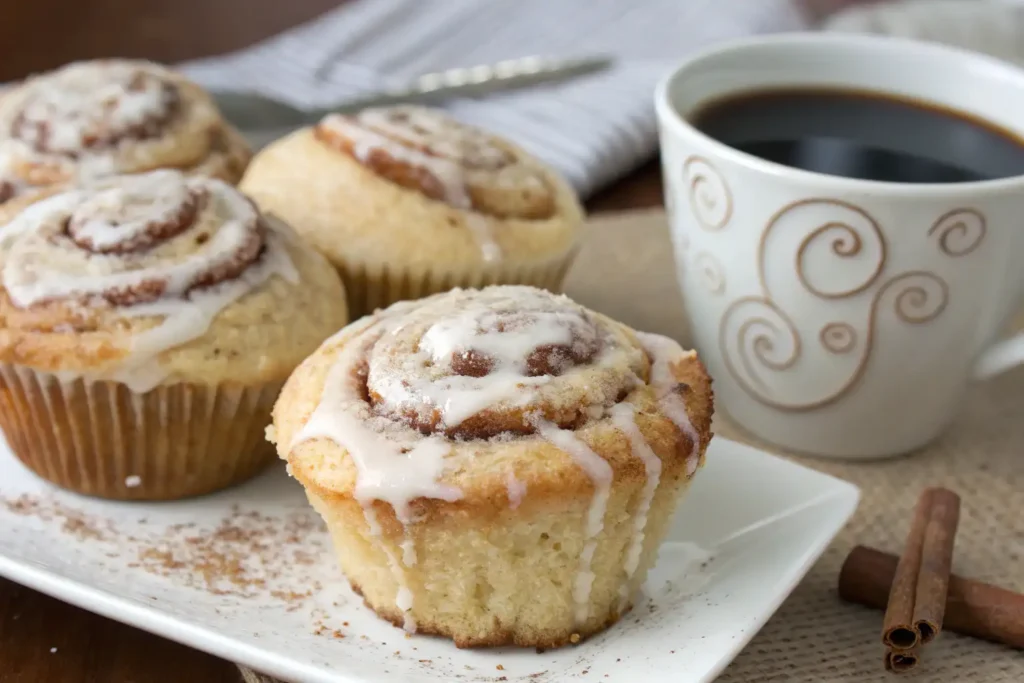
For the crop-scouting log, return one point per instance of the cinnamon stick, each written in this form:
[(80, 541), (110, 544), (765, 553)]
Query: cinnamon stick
[(936, 564), (898, 624), (899, 661), (972, 608)]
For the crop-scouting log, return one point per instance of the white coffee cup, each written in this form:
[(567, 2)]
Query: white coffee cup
[(842, 317)]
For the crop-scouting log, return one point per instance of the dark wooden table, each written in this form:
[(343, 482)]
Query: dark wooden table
[(43, 640)]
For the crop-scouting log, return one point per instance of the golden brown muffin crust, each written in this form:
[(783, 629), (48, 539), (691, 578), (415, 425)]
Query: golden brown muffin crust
[(105, 117), (424, 150), (366, 196), (258, 337), (498, 637), (478, 466)]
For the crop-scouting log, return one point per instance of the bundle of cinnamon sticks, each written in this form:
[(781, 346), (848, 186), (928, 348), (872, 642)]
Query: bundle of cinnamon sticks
[(920, 594)]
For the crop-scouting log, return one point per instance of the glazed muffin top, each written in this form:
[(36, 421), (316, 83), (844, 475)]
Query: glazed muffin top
[(414, 185), (448, 399), (105, 117), (159, 278)]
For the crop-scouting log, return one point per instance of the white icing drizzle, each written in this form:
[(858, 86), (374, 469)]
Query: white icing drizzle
[(428, 140), (393, 465), (188, 318), (71, 118), (408, 552), (600, 473), (39, 268), (663, 352), (480, 228), (404, 596), (478, 327), (440, 135), (83, 101), (623, 416), (448, 172), (42, 264), (460, 397), (516, 490), (122, 214)]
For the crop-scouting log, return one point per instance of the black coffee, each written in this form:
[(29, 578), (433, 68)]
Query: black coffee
[(864, 135)]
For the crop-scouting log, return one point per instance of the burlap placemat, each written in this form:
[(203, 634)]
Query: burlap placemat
[(626, 271)]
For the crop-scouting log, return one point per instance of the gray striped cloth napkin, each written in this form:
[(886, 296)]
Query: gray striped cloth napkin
[(594, 129)]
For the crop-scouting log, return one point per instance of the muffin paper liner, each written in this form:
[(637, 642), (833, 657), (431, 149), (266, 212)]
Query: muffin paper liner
[(101, 439), (373, 287)]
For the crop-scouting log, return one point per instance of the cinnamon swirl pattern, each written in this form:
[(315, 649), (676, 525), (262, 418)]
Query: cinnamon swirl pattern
[(408, 202), (94, 119), (153, 245), (513, 425), (139, 309), (841, 259), (426, 151)]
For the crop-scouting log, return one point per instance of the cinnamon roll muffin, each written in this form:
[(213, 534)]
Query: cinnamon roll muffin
[(105, 117), (407, 202), (498, 466), (147, 323)]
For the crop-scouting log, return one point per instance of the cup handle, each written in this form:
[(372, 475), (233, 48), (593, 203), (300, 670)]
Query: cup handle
[(1002, 356)]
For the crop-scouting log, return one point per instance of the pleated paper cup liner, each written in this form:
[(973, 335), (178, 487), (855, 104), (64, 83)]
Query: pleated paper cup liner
[(99, 438), (373, 287)]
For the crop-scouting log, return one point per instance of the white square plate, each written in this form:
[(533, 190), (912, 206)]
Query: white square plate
[(247, 575)]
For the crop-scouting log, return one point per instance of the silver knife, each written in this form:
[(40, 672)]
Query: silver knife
[(249, 111)]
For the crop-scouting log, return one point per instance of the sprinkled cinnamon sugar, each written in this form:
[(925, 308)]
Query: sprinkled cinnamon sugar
[(72, 521), (247, 555)]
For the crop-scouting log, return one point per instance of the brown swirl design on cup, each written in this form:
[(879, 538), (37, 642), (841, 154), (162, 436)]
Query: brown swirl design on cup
[(838, 337), (920, 296), (710, 197), (758, 338), (846, 243), (710, 272), (765, 337), (960, 231), (769, 338)]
